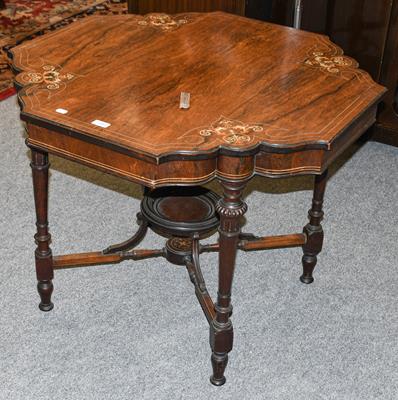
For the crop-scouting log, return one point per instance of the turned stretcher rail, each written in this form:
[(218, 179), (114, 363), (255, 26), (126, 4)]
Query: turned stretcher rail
[(264, 243), (273, 242), (95, 258)]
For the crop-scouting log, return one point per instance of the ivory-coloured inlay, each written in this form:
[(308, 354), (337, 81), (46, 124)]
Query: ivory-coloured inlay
[(231, 131), (328, 63), (162, 21), (50, 76)]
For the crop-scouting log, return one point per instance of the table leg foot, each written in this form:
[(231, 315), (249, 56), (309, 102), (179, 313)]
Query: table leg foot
[(219, 362), (45, 290), (307, 277), (313, 230)]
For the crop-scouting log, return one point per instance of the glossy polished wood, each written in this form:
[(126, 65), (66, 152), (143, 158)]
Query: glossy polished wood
[(180, 6), (265, 100), (253, 98), (367, 30)]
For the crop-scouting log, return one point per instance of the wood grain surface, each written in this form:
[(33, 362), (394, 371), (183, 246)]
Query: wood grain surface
[(254, 86)]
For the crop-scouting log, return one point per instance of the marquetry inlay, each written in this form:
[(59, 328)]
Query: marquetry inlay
[(231, 131), (181, 244), (50, 75), (116, 81), (329, 63), (163, 21)]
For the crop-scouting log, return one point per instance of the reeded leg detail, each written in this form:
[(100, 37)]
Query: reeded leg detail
[(231, 208), (43, 255), (314, 230)]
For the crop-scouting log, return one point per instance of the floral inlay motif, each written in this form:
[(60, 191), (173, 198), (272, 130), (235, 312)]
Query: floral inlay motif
[(231, 131), (163, 21), (50, 76), (182, 244), (332, 64)]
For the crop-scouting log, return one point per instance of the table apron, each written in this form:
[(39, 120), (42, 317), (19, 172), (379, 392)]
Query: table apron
[(197, 171)]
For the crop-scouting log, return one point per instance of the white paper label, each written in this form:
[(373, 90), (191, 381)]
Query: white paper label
[(61, 111), (185, 100), (101, 124)]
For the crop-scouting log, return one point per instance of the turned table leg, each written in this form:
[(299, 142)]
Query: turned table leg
[(230, 208), (314, 230), (43, 255)]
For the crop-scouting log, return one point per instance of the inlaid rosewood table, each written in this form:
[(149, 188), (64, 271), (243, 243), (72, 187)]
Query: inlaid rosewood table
[(172, 102)]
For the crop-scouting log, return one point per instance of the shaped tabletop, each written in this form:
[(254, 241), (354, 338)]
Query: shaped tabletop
[(118, 80)]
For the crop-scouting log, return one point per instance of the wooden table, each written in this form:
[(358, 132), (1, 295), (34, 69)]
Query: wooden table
[(265, 100)]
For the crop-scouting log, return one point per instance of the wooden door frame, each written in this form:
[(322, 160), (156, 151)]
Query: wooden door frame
[(387, 123)]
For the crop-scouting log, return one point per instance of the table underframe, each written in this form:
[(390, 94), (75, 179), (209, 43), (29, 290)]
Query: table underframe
[(230, 209)]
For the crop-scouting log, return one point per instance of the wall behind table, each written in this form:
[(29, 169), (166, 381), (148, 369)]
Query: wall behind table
[(367, 30), (177, 6)]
